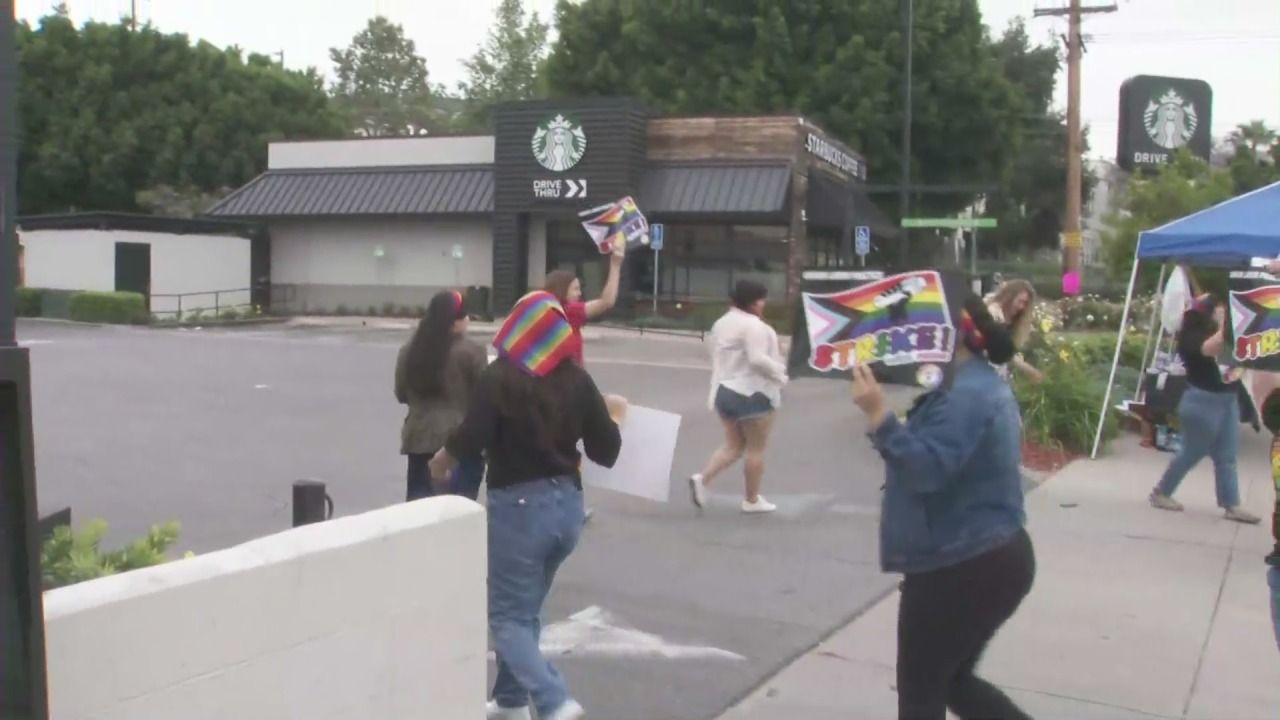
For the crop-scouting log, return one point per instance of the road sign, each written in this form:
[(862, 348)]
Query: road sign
[(656, 233), (862, 240), (949, 223), (457, 252)]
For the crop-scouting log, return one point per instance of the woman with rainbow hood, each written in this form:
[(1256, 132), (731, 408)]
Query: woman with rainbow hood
[(528, 412)]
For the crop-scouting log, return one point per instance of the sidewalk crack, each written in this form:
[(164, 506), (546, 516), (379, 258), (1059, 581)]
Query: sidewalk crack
[(1213, 619)]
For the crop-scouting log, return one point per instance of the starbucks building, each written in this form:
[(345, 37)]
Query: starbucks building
[(367, 224)]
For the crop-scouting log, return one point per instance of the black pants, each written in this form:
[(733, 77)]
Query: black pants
[(945, 620), (418, 477)]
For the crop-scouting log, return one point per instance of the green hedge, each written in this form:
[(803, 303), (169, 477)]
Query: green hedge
[(123, 308), (29, 302)]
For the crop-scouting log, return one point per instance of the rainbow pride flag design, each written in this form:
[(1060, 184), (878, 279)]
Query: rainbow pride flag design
[(880, 309), (1255, 311), (536, 335)]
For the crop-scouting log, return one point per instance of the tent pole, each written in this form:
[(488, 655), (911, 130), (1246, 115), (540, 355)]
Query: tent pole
[(1152, 338), (1115, 360)]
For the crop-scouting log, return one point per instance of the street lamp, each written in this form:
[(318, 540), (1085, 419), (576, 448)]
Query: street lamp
[(22, 660)]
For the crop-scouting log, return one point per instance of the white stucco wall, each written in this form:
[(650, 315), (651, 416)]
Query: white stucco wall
[(381, 152), (199, 264), (329, 255), (351, 618), (69, 260), (85, 260)]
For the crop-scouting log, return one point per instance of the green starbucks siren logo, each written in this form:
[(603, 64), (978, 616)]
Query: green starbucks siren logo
[(1170, 121), (559, 143)]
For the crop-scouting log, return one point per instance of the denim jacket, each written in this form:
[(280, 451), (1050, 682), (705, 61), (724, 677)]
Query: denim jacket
[(954, 481)]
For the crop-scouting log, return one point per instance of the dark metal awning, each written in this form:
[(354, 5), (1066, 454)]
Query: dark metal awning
[(705, 189), (434, 190), (835, 204)]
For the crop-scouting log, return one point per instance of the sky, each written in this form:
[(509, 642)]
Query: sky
[(1234, 45)]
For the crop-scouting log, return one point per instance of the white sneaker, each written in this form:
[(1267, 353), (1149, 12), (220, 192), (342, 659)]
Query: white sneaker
[(493, 712), (697, 491), (571, 710), (1164, 502), (759, 506)]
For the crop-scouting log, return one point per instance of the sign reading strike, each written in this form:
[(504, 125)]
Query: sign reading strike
[(903, 323), (1255, 320)]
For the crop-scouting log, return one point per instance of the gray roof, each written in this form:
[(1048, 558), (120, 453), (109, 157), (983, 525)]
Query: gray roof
[(435, 190), (715, 188)]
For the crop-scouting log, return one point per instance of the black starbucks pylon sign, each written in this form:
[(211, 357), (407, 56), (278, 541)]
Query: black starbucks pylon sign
[(1160, 116)]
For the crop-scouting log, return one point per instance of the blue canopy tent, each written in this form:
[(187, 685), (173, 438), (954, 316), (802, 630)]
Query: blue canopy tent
[(1230, 234)]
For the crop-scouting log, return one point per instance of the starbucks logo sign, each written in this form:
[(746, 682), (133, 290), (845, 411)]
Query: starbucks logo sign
[(559, 143), (1170, 121)]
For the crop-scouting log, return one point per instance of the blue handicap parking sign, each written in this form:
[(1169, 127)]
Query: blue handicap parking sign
[(862, 240), (656, 231)]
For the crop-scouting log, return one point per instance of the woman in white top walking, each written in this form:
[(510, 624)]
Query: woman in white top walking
[(747, 375)]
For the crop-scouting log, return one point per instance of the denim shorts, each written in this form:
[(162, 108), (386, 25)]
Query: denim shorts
[(736, 407)]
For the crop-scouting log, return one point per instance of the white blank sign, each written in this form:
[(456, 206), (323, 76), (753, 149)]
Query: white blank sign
[(644, 464)]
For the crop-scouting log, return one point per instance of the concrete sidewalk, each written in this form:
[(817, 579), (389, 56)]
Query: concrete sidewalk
[(1136, 613)]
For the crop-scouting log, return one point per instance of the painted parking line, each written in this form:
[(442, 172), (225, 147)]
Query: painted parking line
[(596, 632)]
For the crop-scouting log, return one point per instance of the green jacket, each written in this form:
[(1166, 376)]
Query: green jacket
[(432, 417)]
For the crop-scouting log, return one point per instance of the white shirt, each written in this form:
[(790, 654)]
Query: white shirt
[(745, 357)]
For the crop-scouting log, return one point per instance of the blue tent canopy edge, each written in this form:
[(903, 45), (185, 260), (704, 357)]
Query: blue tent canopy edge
[(1225, 235)]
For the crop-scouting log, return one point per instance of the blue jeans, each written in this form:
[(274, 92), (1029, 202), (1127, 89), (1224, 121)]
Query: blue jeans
[(1273, 582), (464, 481), (533, 526), (1210, 425)]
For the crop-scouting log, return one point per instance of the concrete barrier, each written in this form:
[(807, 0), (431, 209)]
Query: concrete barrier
[(380, 615)]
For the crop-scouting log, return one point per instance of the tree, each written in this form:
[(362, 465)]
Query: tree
[(507, 66), (381, 84), (837, 61), (1255, 151), (107, 113), (1032, 199), (1255, 136), (1178, 189)]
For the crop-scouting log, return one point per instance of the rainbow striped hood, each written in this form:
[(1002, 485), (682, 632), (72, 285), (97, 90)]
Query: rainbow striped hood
[(536, 335)]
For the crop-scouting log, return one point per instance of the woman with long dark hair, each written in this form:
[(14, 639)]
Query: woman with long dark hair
[(747, 376), (529, 411), (567, 288), (952, 522), (435, 372), (1208, 413)]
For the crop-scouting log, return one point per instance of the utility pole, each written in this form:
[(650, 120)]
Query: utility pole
[(904, 172), (133, 15), (1072, 241), (23, 691)]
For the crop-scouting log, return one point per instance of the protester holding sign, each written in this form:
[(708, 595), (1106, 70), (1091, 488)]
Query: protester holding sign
[(1209, 412), (747, 376), (952, 522), (568, 290), (529, 411)]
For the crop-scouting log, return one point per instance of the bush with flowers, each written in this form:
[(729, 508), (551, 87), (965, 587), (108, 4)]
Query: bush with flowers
[(1061, 412)]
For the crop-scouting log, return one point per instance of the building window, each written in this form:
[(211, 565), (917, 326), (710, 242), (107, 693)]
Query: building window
[(828, 251), (701, 262), (760, 254)]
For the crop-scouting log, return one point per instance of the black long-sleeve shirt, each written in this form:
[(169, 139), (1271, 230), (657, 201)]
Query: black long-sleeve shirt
[(1202, 371), (511, 443)]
